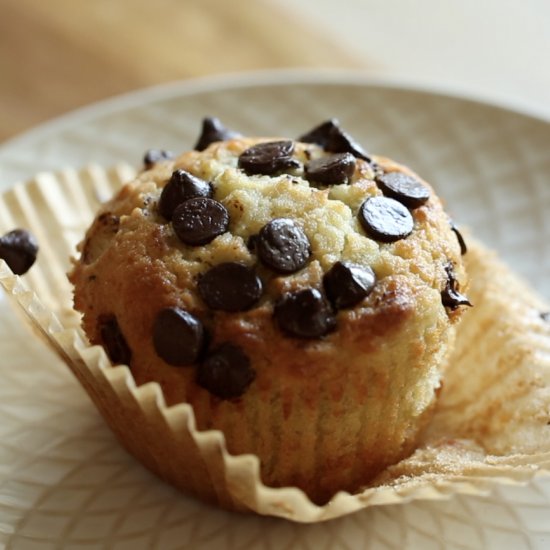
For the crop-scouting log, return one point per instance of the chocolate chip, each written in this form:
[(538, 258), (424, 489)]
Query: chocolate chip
[(181, 186), (545, 316), (305, 314), (461, 241), (332, 138), (178, 336), (213, 130), (200, 220), (283, 246), (18, 249), (152, 156), (230, 286), (346, 284), (450, 296), (332, 170), (268, 158), (403, 188), (113, 340), (226, 372), (385, 219)]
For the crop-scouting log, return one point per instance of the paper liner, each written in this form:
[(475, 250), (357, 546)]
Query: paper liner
[(492, 425)]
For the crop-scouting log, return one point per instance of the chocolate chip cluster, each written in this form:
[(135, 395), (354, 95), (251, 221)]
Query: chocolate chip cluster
[(281, 246)]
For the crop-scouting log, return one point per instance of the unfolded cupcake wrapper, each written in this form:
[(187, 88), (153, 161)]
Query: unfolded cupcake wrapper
[(491, 426)]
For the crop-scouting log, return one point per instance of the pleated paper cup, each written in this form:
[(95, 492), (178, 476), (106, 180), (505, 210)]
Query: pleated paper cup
[(491, 426)]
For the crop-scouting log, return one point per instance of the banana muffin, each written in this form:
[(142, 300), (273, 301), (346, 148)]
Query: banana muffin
[(300, 294)]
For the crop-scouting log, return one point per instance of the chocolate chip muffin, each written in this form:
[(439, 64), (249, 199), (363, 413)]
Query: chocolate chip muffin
[(299, 294)]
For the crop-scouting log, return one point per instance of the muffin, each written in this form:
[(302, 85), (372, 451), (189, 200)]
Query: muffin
[(301, 295)]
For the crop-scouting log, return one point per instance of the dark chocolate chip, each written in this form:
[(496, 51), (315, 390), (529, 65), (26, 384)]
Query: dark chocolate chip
[(152, 156), (450, 295), (305, 314), (200, 220), (113, 340), (230, 286), (18, 249), (268, 158), (545, 316), (283, 246), (385, 219), (213, 130), (178, 336), (332, 138), (403, 188), (226, 372), (181, 186), (461, 241), (332, 170), (346, 284)]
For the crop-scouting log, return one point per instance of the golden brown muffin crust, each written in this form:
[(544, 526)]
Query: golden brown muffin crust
[(357, 396)]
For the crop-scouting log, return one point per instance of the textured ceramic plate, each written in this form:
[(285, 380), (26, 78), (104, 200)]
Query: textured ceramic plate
[(65, 482)]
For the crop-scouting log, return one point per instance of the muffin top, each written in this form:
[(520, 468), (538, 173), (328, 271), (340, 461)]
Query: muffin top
[(307, 234)]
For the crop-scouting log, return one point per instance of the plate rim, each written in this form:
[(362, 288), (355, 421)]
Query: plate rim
[(269, 78)]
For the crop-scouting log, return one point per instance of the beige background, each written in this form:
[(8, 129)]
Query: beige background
[(57, 55)]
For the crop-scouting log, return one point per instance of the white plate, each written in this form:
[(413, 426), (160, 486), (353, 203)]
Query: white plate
[(64, 481)]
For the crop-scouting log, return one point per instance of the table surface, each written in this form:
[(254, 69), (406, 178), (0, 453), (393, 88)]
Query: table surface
[(61, 54), (58, 55)]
